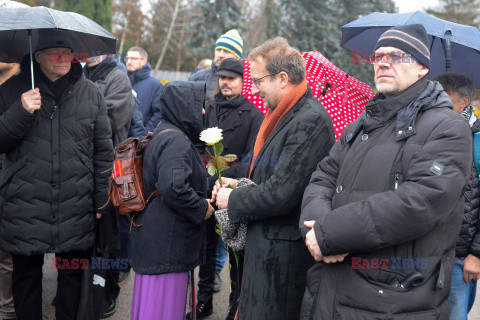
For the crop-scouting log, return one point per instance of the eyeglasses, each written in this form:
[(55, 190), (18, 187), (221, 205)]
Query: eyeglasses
[(257, 81), (392, 57), (131, 58)]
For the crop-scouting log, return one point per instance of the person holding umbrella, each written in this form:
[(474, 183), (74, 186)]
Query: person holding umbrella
[(382, 212), (58, 150)]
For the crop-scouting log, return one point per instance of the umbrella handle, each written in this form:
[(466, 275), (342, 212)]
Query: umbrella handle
[(31, 56), (448, 49)]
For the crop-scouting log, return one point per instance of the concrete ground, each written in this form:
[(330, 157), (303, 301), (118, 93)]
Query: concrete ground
[(220, 299)]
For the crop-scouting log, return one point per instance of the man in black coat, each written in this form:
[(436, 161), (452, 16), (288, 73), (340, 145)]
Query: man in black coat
[(58, 151), (297, 133), (240, 121), (382, 212), (466, 270)]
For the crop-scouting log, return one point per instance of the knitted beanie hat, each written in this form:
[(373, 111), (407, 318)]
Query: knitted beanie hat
[(232, 42), (410, 38)]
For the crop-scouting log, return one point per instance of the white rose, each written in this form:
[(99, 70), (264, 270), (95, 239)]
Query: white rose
[(211, 136)]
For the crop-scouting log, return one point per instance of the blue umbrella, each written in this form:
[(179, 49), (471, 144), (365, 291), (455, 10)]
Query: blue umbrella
[(453, 47)]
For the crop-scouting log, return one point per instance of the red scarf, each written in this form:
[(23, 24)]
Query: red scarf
[(273, 118)]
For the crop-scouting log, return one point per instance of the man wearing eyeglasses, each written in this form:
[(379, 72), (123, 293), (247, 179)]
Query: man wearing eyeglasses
[(297, 133), (382, 212), (148, 88), (57, 146)]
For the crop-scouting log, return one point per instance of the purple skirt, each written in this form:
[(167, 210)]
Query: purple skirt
[(159, 297)]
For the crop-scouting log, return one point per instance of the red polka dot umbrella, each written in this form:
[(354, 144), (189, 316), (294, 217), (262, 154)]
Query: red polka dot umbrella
[(343, 96)]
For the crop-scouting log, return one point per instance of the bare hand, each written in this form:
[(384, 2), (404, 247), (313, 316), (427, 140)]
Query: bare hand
[(311, 241), (31, 100), (334, 258), (222, 197), (210, 210), (226, 182), (471, 268)]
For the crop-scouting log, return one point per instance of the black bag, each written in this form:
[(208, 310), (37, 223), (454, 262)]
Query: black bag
[(95, 296)]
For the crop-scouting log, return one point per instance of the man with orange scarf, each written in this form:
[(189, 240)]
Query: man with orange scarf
[(296, 134)]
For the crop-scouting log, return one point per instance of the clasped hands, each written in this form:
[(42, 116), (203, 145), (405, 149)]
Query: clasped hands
[(221, 196), (314, 248)]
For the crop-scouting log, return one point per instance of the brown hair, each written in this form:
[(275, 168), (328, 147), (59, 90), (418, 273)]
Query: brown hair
[(140, 50), (280, 56)]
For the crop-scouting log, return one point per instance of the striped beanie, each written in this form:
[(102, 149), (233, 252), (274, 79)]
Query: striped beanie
[(232, 42), (410, 38)]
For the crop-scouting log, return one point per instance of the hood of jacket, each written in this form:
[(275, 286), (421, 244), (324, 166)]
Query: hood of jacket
[(405, 106), (182, 103), (141, 74)]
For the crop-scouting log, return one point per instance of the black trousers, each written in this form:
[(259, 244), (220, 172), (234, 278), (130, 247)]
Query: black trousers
[(206, 273), (236, 270), (27, 286)]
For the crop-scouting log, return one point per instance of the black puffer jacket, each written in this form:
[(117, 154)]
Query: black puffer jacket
[(56, 165), (171, 238), (391, 188), (469, 240)]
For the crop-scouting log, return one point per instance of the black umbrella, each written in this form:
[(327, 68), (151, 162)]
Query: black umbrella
[(21, 29)]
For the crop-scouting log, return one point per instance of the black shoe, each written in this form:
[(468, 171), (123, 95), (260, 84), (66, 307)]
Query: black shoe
[(203, 310), (110, 310)]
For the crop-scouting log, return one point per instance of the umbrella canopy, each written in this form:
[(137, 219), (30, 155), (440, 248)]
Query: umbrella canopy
[(453, 47), (343, 96), (12, 4), (88, 37)]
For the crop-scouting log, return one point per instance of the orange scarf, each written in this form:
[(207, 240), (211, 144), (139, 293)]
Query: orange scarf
[(273, 118)]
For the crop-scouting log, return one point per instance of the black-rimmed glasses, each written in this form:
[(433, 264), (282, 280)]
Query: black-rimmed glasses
[(257, 81)]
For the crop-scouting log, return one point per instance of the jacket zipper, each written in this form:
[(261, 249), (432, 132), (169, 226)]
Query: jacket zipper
[(52, 116), (397, 179)]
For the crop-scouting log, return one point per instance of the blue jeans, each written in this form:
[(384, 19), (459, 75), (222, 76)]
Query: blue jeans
[(462, 295), (221, 254)]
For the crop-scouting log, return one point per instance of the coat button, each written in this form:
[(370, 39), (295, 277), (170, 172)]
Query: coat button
[(369, 113), (380, 291), (240, 112), (349, 136), (364, 137), (339, 189), (400, 132)]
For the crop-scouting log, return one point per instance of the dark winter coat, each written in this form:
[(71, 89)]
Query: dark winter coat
[(276, 259), (391, 188), (56, 165), (117, 90), (240, 121), (137, 129), (171, 238), (148, 91), (208, 77), (469, 240)]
